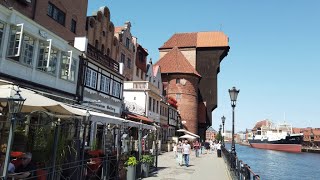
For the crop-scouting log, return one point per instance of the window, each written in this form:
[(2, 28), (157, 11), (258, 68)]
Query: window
[(24, 42), (157, 107), (122, 58), (150, 102), (14, 41), (137, 72), (102, 49), (27, 50), (96, 45), (91, 78), (127, 43), (105, 84), (116, 89), (1, 33), (153, 105), (56, 14), (129, 63), (66, 67), (177, 81), (43, 64), (178, 96), (140, 57), (73, 25)]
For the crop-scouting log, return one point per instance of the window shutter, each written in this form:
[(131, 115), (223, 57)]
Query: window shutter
[(49, 52), (70, 63), (19, 33)]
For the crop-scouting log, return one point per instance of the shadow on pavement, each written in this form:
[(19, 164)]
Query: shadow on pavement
[(154, 173)]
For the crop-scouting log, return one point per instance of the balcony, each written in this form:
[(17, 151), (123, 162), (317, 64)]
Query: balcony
[(141, 85), (104, 60)]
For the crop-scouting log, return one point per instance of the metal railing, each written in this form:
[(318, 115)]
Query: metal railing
[(238, 169), (105, 167)]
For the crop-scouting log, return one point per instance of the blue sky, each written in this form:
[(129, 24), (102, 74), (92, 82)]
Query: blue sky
[(273, 57)]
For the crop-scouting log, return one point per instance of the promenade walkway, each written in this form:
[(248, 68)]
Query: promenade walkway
[(205, 167)]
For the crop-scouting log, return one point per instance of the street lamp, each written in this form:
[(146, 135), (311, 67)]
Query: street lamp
[(14, 103), (223, 120), (233, 96), (220, 127)]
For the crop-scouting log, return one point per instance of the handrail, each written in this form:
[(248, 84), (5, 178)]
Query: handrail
[(238, 169)]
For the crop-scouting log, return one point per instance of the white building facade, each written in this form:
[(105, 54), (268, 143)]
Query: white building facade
[(36, 57), (143, 97)]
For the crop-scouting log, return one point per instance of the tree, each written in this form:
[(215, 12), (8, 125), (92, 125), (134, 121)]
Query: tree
[(218, 137)]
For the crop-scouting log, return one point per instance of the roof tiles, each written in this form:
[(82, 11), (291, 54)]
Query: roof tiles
[(175, 62), (197, 39)]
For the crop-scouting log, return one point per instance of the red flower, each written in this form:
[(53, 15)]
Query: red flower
[(16, 154)]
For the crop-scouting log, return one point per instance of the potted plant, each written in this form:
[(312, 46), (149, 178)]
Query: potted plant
[(146, 161), (131, 164)]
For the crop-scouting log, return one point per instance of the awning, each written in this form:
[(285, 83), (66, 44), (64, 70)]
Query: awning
[(139, 117), (187, 136), (188, 132), (36, 102), (108, 119)]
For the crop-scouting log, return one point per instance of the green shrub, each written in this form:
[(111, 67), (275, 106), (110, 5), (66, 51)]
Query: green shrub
[(147, 159), (132, 161)]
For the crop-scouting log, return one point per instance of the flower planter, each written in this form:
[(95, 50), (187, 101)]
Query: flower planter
[(131, 173), (145, 169)]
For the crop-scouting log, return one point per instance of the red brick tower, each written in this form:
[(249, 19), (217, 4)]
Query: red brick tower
[(182, 84), (204, 51)]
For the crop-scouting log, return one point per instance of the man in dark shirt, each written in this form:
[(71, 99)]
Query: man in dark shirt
[(27, 170)]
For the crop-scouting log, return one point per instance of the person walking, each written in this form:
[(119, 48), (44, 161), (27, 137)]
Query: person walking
[(175, 150), (179, 153), (207, 146), (219, 149), (202, 147), (186, 152), (196, 147)]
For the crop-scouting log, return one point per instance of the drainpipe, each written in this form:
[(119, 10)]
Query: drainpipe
[(34, 9)]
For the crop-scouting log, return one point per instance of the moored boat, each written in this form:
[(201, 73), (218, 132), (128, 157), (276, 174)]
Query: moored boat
[(267, 136)]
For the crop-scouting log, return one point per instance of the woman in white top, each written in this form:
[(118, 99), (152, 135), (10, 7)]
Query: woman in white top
[(175, 150), (179, 153)]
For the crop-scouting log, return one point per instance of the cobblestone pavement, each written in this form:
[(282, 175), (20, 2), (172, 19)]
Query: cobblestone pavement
[(205, 167)]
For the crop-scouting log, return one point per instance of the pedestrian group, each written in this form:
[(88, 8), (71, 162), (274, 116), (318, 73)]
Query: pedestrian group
[(182, 150)]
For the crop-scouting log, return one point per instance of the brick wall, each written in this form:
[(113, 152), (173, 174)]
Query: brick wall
[(100, 33), (76, 11), (24, 8), (188, 103), (208, 65)]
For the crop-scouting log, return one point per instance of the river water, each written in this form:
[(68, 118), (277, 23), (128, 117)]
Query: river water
[(273, 165)]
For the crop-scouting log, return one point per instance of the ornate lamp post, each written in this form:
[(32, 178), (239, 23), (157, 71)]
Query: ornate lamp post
[(220, 127), (15, 103), (233, 96), (223, 120)]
